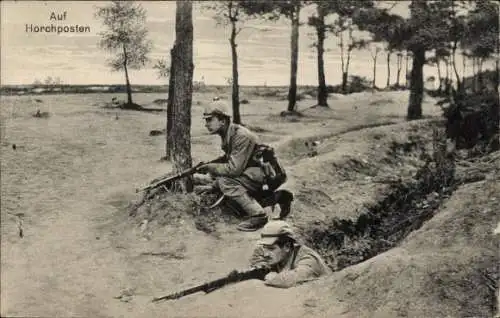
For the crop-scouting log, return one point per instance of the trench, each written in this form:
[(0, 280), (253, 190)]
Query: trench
[(404, 208)]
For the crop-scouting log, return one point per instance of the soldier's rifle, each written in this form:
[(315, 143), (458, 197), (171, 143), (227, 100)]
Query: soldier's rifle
[(233, 277), (168, 180)]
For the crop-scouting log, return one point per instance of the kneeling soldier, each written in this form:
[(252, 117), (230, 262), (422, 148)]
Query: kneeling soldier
[(237, 173), (291, 262)]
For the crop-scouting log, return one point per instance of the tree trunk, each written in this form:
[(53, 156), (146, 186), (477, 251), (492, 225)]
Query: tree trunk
[(374, 69), (447, 85), (497, 69), (464, 65), (406, 70), (127, 81), (342, 64), (454, 64), (480, 81), (400, 65), (416, 85), (183, 91), (345, 73), (236, 86), (320, 30), (440, 79), (344, 82), (474, 75), (170, 106), (454, 48), (292, 92), (495, 145), (388, 83)]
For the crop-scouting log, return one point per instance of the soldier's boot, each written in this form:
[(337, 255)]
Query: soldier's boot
[(283, 198), (249, 205)]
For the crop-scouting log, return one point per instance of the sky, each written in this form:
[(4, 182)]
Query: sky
[(74, 57)]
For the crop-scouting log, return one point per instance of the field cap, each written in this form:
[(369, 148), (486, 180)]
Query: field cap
[(274, 230), (216, 108)]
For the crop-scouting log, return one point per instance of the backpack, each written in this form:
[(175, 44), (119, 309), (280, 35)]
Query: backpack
[(275, 174)]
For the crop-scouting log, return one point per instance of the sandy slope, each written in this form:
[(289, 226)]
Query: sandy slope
[(73, 175)]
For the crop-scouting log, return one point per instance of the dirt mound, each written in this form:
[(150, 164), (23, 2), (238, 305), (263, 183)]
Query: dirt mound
[(447, 268), (173, 209)]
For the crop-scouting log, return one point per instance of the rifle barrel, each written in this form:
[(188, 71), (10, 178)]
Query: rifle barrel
[(208, 287), (177, 176)]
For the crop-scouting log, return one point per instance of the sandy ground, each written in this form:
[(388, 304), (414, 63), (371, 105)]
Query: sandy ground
[(73, 174)]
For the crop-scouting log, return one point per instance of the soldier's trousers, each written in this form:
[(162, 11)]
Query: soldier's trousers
[(237, 190)]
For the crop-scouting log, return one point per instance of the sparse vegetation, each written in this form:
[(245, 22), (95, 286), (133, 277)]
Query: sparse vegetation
[(473, 119), (125, 36)]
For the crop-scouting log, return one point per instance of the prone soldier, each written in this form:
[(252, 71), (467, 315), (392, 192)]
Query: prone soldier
[(292, 263)]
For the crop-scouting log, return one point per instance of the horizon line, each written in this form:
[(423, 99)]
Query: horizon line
[(132, 85)]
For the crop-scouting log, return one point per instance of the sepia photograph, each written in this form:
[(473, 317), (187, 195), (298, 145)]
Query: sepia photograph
[(250, 158)]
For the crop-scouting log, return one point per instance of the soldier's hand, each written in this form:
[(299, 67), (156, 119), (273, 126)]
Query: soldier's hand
[(260, 265), (270, 276), (201, 189)]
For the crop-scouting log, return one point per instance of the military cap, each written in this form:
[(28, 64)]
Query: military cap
[(273, 230), (216, 108)]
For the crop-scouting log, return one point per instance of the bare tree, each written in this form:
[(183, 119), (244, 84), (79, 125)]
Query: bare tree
[(294, 15), (400, 66), (126, 37), (170, 106), (388, 83), (182, 75), (374, 53), (347, 12), (273, 10), (408, 55), (318, 22), (344, 25), (231, 12)]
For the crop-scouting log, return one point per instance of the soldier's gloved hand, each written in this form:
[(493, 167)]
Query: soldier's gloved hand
[(208, 168)]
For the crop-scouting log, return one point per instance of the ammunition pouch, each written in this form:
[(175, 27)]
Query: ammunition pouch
[(275, 174)]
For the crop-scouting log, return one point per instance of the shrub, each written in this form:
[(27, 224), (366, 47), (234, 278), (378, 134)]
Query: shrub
[(356, 84), (472, 119)]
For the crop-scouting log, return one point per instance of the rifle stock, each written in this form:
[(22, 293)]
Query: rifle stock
[(253, 273)]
